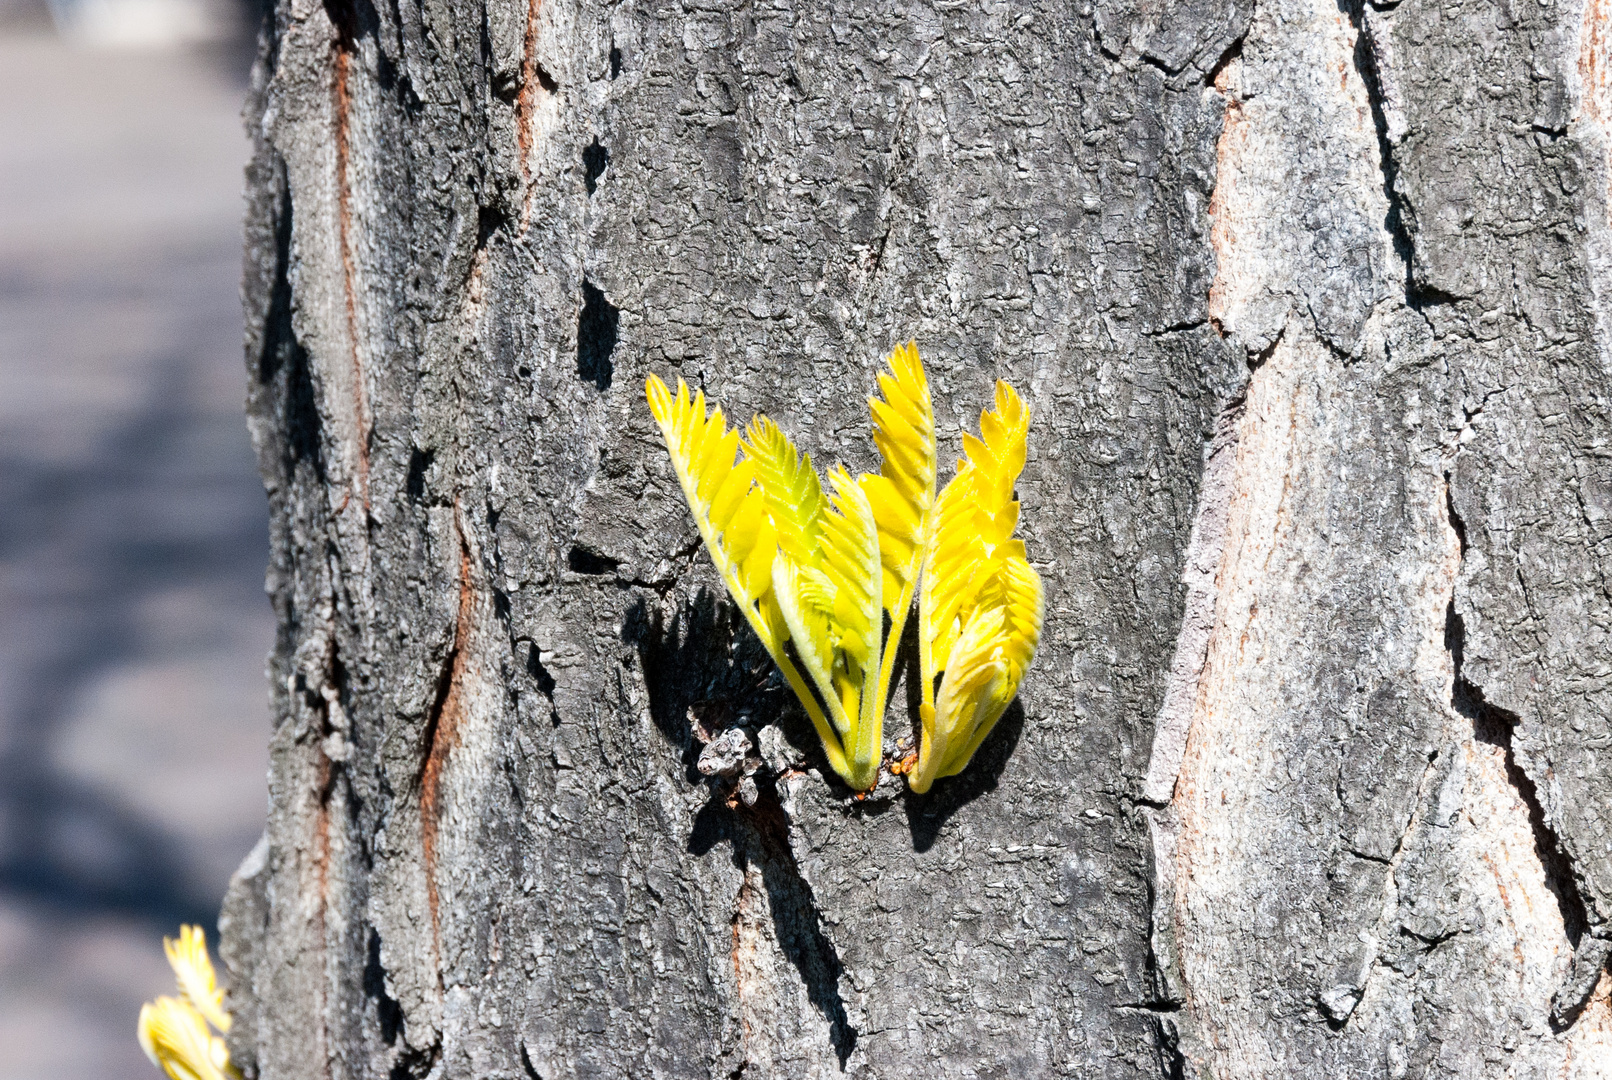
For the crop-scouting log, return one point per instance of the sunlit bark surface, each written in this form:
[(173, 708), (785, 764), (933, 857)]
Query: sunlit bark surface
[(1310, 306)]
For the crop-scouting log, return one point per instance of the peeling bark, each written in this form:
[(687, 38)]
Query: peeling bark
[(1309, 306)]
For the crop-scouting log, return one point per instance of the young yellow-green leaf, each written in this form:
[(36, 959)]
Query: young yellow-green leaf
[(833, 608), (1023, 603), (1021, 632), (806, 601), (794, 494), (903, 494), (957, 559), (950, 720), (174, 1036), (998, 458), (828, 581), (827, 578), (732, 514), (729, 510), (979, 616), (193, 969), (851, 561), (988, 663), (974, 517), (173, 1032), (803, 590)]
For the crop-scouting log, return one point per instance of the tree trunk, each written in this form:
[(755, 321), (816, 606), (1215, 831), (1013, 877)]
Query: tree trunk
[(1311, 309)]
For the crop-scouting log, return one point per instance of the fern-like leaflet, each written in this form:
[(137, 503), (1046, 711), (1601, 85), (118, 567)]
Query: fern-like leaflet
[(851, 562), (841, 567), (731, 513), (829, 590), (980, 602), (903, 494)]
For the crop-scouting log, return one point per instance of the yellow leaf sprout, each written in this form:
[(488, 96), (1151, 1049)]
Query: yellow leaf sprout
[(903, 494), (731, 512), (173, 1032), (815, 574), (827, 584), (194, 970), (980, 603)]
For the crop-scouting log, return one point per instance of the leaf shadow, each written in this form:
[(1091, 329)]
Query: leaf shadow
[(702, 665), (700, 662), (759, 837), (928, 813)]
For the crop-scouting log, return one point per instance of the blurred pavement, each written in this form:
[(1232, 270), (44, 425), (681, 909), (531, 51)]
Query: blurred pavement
[(133, 536)]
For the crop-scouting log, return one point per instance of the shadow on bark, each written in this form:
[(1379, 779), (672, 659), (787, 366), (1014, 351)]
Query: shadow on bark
[(701, 665), (759, 837), (928, 813)]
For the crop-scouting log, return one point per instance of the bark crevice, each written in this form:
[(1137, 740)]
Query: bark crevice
[(1495, 726), (441, 733), (1374, 67)]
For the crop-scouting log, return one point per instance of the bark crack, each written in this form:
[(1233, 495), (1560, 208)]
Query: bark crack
[(1495, 726), (526, 1063), (344, 19), (441, 732), (1371, 63)]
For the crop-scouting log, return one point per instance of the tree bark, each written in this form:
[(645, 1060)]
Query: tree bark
[(1311, 308)]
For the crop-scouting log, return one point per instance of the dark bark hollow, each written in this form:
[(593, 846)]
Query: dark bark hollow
[(1310, 306)]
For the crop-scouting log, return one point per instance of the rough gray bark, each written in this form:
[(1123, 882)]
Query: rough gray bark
[(1310, 305)]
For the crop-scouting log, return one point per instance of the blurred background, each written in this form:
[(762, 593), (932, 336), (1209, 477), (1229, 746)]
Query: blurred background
[(133, 537)]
